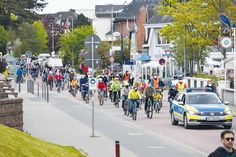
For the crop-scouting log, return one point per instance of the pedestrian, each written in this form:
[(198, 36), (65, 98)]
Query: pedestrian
[(227, 150)]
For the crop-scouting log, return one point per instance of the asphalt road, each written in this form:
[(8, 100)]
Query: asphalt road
[(155, 137)]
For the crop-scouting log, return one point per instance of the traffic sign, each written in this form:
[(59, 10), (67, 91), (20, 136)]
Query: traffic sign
[(225, 20), (162, 61), (92, 83), (225, 42)]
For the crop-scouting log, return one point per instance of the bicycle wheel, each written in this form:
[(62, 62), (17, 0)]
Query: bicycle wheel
[(134, 114), (159, 106), (101, 99), (151, 111), (87, 98), (156, 106), (117, 101), (148, 110), (125, 107)]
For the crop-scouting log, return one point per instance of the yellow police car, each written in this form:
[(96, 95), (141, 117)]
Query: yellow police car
[(199, 106)]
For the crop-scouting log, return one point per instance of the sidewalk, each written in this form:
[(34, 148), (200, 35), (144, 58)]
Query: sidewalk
[(43, 120)]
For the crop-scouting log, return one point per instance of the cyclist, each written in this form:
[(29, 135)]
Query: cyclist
[(172, 92), (148, 94), (124, 93), (58, 78), (50, 79), (115, 87), (84, 87), (134, 97), (157, 96), (74, 83), (74, 86), (101, 86)]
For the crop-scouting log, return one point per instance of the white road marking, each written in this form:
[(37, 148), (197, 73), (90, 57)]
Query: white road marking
[(156, 147), (135, 134)]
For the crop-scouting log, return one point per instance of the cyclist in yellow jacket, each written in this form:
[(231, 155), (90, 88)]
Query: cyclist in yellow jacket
[(134, 97)]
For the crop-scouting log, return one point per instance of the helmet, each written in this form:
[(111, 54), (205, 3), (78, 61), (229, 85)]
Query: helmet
[(100, 79)]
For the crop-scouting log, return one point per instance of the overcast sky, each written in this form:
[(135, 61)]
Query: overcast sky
[(54, 6)]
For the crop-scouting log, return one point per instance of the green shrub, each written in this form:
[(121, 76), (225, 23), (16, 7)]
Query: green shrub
[(208, 76)]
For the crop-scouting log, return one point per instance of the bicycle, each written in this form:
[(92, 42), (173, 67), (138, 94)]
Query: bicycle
[(134, 109), (86, 99), (150, 108), (101, 97), (125, 106), (73, 91), (116, 97), (58, 86)]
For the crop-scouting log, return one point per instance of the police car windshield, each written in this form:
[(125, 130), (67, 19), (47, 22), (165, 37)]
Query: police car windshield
[(204, 98)]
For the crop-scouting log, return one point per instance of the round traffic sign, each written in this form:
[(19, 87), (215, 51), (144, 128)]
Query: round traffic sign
[(92, 81), (162, 61), (226, 42)]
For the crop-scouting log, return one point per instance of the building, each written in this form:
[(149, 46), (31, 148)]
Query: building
[(102, 22), (132, 19)]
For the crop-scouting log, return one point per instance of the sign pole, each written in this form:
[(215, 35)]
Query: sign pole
[(92, 91), (90, 43)]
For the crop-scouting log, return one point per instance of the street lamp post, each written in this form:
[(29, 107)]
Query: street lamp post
[(52, 38), (122, 51)]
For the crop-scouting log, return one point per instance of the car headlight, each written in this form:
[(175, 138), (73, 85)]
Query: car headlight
[(192, 112), (228, 112)]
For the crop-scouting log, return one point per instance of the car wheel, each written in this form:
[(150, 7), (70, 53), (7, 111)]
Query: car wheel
[(186, 125), (173, 121), (228, 126)]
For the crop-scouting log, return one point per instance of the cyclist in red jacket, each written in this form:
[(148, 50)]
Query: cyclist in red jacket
[(101, 85)]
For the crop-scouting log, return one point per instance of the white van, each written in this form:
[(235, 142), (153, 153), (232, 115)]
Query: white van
[(42, 57)]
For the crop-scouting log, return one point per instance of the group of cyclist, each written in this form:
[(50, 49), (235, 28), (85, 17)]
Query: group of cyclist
[(112, 86)]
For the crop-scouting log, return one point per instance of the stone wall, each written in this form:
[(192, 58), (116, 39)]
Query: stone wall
[(11, 110), (11, 113)]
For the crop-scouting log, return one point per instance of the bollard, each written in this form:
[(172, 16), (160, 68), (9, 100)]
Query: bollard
[(27, 81), (19, 86), (45, 91), (117, 147), (32, 87), (47, 94), (38, 89), (42, 89)]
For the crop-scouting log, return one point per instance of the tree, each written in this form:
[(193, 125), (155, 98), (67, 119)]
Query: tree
[(72, 42), (82, 20), (103, 51), (33, 37), (41, 37), (15, 12), (196, 25), (3, 39)]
